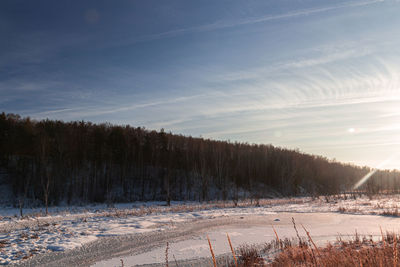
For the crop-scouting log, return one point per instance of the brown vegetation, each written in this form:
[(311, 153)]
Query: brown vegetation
[(357, 251)]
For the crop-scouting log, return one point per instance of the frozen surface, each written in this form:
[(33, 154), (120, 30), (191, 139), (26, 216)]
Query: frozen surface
[(323, 228), (71, 227)]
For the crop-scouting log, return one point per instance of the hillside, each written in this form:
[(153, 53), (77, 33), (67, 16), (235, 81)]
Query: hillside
[(51, 162)]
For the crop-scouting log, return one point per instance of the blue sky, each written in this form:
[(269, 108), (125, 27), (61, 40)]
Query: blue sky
[(320, 76)]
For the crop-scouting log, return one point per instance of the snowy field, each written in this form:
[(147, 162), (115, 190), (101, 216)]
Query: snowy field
[(72, 227)]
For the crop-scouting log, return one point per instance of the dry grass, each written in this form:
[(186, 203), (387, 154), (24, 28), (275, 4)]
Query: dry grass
[(212, 252), (4, 243), (27, 256), (349, 210), (250, 256), (358, 251), (143, 211), (166, 255), (233, 251), (219, 204), (394, 212), (24, 236)]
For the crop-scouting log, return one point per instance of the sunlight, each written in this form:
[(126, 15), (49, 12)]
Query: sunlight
[(128, 124), (372, 172)]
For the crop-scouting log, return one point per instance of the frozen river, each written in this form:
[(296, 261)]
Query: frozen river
[(323, 227)]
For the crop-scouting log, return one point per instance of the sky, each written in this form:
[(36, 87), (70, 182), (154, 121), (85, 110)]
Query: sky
[(319, 76)]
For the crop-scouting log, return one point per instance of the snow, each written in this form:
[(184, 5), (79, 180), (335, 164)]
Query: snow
[(197, 247), (323, 228), (71, 227)]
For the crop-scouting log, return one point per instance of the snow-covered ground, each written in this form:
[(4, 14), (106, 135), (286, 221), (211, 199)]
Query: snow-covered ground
[(324, 227), (71, 227)]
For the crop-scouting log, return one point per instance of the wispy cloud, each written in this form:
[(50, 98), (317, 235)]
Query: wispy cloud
[(81, 112), (305, 88), (316, 56), (223, 24)]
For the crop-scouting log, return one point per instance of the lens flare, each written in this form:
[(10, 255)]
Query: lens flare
[(372, 172)]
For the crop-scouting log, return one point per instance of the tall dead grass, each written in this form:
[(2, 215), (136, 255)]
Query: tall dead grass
[(357, 251)]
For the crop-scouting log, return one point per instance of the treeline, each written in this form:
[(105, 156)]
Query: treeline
[(81, 162)]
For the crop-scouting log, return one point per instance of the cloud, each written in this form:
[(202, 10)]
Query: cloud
[(321, 55), (223, 24), (97, 111), (308, 91)]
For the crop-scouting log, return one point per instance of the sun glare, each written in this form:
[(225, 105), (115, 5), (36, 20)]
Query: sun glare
[(373, 171)]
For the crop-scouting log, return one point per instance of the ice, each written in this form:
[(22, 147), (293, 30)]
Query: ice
[(71, 227), (323, 227)]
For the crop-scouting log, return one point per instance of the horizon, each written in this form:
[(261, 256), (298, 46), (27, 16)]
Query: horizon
[(323, 78), (373, 169)]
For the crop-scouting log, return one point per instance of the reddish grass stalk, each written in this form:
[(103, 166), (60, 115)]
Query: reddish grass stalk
[(383, 237), (212, 252), (395, 251), (166, 255), (312, 241), (277, 238), (297, 232), (233, 251), (176, 263)]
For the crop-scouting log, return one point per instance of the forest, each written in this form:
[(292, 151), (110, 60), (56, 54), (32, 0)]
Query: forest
[(49, 162)]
